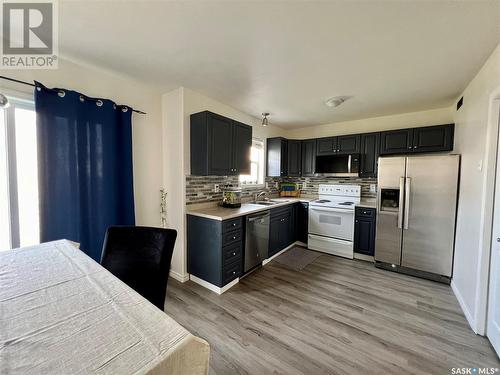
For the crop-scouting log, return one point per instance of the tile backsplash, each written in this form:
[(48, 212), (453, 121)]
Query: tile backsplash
[(200, 189)]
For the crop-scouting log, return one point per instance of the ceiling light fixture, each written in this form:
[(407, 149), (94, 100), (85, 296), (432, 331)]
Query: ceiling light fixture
[(336, 101), (265, 121)]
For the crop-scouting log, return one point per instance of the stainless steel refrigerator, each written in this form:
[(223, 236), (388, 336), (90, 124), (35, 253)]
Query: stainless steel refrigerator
[(416, 209)]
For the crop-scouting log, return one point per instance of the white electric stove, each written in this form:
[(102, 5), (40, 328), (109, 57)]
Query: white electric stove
[(331, 219)]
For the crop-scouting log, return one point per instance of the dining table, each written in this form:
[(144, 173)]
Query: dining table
[(63, 313)]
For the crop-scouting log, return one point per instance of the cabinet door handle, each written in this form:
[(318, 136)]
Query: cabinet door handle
[(409, 147), (234, 237), (234, 272), (234, 253), (234, 224)]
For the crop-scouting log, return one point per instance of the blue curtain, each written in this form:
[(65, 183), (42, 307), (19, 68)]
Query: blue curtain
[(84, 167)]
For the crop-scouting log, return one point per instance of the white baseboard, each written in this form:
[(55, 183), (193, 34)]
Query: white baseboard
[(265, 261), (463, 305), (212, 287), (178, 276)]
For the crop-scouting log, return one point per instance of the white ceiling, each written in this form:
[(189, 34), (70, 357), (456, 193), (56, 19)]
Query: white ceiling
[(287, 57)]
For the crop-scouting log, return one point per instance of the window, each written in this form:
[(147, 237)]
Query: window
[(256, 176), (19, 218)]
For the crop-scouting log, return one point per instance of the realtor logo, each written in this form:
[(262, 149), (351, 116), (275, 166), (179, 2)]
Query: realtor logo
[(29, 34)]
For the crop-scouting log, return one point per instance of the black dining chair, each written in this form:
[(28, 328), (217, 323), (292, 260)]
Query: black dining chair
[(140, 257)]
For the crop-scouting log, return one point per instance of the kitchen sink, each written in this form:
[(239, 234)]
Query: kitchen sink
[(270, 202)]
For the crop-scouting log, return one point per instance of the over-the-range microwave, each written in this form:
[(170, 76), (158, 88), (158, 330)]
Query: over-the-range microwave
[(338, 165)]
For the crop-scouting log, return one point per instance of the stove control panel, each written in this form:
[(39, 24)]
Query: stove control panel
[(342, 190)]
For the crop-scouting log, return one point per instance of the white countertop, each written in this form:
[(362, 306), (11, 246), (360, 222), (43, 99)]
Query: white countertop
[(223, 213)]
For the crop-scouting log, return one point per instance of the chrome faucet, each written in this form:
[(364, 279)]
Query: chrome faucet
[(258, 195)]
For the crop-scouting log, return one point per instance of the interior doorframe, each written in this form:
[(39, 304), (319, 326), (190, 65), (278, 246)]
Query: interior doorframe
[(487, 204)]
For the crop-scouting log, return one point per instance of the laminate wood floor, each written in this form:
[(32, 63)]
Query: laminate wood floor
[(336, 316)]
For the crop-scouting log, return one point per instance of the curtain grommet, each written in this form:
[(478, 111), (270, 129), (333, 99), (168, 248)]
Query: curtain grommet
[(99, 103), (61, 93), (124, 109), (38, 88), (114, 106), (82, 99)]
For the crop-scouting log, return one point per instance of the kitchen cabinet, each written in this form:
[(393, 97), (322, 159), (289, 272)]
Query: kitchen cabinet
[(396, 141), (282, 229), (369, 152), (308, 157), (433, 138), (326, 146), (364, 230), (301, 221), (277, 157), (294, 158), (219, 146), (348, 144), (425, 139), (215, 249)]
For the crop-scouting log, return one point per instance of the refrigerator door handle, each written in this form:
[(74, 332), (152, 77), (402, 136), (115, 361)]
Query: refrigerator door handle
[(407, 202), (400, 209)]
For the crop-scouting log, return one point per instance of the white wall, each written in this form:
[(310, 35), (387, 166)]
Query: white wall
[(399, 121), (146, 129), (475, 140), (177, 106)]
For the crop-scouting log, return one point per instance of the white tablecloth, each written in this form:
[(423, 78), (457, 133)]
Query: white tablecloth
[(62, 313)]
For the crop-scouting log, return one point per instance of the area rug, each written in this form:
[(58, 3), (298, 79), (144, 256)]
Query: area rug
[(297, 258)]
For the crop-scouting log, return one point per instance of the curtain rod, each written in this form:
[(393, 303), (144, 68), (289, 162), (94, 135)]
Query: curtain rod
[(33, 85)]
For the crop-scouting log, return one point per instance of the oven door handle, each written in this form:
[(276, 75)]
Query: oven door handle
[(331, 210)]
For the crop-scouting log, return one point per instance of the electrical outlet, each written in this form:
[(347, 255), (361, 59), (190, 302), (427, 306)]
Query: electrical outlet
[(216, 188), (277, 185), (267, 185), (373, 188)]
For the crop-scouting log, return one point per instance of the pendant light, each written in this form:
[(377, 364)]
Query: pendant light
[(265, 121)]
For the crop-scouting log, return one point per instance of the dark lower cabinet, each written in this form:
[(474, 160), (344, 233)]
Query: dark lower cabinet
[(364, 231), (215, 249), (301, 221), (282, 229), (370, 146), (294, 158), (277, 157)]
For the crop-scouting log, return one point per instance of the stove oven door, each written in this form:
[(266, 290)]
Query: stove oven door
[(331, 222)]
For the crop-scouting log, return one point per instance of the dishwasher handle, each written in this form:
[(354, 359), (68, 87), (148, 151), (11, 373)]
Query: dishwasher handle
[(256, 217)]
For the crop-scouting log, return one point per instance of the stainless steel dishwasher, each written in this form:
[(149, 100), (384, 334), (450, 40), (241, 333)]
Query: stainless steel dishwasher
[(257, 239)]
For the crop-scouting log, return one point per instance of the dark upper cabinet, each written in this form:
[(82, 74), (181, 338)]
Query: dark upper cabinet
[(242, 144), (348, 144), (277, 157), (425, 139), (326, 146), (433, 138), (364, 230), (369, 152), (308, 157), (396, 141), (219, 146), (294, 158)]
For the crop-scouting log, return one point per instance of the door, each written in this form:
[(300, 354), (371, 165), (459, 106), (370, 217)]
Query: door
[(364, 228), (348, 144), (308, 157), (294, 158), (220, 136), (242, 144), (276, 157), (326, 146), (433, 138), (493, 322), (370, 144), (396, 141), (391, 173), (302, 221), (331, 222), (429, 214)]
